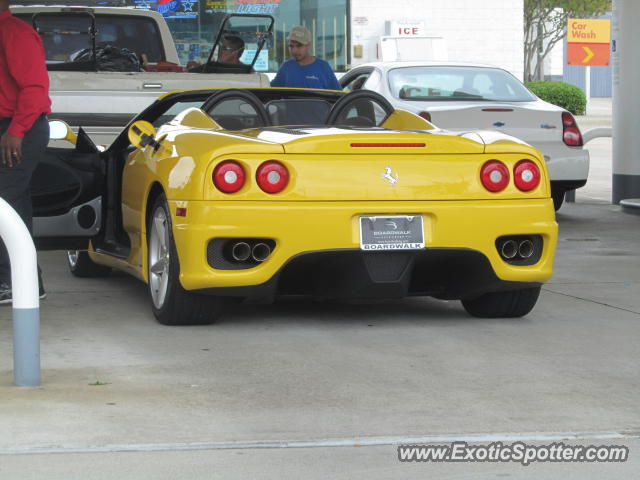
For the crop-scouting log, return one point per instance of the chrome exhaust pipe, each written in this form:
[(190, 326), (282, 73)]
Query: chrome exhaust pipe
[(525, 249), (260, 252), (241, 251), (509, 249)]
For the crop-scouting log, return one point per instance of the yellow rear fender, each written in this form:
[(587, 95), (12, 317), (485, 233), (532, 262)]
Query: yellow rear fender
[(403, 120), (195, 118)]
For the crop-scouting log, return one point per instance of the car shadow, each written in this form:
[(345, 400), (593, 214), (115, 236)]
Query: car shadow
[(355, 313)]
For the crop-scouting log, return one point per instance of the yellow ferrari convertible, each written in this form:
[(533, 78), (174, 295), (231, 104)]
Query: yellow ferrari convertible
[(260, 193)]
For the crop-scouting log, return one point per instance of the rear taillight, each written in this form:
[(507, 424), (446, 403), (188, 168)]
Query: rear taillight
[(526, 175), (570, 132), (494, 176), (425, 115), (229, 176), (272, 176)]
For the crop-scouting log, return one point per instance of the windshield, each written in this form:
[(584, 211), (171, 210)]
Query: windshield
[(298, 111), (235, 113), (240, 40), (444, 83)]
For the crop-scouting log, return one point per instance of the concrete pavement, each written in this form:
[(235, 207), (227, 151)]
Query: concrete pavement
[(124, 397), (598, 187), (348, 463)]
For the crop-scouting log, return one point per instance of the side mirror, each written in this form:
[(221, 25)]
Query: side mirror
[(60, 130), (142, 134)]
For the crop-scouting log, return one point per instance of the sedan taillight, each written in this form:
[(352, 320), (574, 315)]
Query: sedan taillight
[(425, 115), (229, 176), (570, 132), (494, 176), (526, 175)]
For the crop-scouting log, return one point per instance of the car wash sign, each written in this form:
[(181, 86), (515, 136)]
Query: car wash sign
[(588, 42)]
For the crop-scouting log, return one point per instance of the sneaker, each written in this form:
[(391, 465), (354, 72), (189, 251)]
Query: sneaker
[(5, 294), (6, 297)]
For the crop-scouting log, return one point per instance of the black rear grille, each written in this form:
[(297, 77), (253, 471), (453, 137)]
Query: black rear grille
[(387, 266)]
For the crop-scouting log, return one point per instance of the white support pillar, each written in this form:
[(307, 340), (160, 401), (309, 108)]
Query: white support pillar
[(587, 89), (626, 101), (26, 302)]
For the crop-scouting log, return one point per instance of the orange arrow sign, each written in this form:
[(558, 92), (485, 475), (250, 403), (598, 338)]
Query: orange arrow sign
[(589, 53)]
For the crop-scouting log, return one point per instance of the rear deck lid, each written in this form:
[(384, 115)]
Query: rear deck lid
[(371, 141), (533, 122)]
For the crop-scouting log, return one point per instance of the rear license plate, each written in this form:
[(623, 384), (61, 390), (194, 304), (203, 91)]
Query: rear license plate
[(401, 232)]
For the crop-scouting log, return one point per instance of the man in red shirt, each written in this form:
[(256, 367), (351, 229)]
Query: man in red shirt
[(24, 128)]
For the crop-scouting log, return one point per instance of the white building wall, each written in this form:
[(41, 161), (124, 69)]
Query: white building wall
[(554, 62), (482, 31)]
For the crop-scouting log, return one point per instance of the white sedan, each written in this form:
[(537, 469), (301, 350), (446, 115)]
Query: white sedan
[(459, 97)]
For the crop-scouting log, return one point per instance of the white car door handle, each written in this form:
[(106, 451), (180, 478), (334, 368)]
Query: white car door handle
[(151, 85)]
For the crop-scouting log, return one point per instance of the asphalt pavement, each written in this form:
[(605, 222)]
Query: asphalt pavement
[(317, 390)]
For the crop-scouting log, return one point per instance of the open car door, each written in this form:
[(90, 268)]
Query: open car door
[(66, 191)]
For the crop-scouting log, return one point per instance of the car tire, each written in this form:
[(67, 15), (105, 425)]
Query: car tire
[(516, 303), (558, 198), (172, 304), (81, 265)]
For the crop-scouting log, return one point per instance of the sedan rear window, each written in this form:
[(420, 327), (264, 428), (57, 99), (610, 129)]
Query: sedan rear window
[(65, 37), (442, 83)]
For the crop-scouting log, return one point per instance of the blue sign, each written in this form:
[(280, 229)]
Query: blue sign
[(262, 63)]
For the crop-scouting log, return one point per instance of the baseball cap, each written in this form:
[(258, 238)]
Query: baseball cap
[(300, 34)]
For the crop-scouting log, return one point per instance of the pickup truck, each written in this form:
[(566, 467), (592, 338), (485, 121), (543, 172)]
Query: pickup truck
[(103, 102)]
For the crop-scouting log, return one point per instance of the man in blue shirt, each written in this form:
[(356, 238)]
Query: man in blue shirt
[(304, 70)]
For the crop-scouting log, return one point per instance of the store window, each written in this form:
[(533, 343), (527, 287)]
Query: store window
[(194, 25)]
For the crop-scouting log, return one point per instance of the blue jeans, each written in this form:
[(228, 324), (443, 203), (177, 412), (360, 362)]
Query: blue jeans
[(15, 181)]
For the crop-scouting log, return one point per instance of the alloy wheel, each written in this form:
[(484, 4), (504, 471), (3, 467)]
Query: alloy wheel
[(159, 257), (72, 255)]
